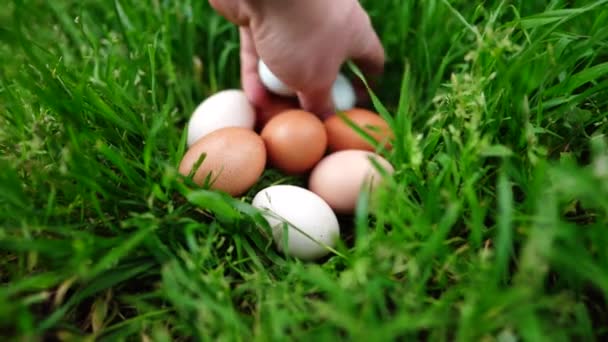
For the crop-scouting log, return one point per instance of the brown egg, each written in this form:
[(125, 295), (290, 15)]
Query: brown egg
[(340, 136), (341, 176), (295, 140), (235, 159)]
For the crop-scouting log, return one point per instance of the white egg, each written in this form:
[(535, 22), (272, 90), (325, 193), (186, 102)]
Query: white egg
[(272, 82), (343, 94), (226, 108), (299, 212)]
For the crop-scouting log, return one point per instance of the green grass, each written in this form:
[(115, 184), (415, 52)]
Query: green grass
[(493, 227)]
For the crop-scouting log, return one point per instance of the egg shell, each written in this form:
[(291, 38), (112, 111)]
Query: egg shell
[(343, 93), (341, 136), (235, 159), (341, 176), (295, 140), (272, 82), (226, 108), (309, 220)]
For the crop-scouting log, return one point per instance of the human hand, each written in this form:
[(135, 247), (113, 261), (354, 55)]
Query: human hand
[(304, 43)]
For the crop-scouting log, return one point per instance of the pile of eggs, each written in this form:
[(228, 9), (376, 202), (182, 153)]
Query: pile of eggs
[(226, 152)]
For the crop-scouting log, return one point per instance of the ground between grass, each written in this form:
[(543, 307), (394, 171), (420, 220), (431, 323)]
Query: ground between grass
[(493, 228)]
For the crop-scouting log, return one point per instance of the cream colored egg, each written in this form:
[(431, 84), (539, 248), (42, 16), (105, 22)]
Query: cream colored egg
[(340, 177), (307, 219), (227, 108)]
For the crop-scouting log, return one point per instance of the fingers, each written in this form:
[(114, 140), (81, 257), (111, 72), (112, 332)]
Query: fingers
[(252, 85), (318, 101), (366, 50), (234, 11), (367, 53)]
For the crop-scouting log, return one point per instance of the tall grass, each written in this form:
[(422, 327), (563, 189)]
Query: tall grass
[(492, 228)]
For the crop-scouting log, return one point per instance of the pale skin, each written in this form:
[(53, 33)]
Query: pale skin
[(304, 43)]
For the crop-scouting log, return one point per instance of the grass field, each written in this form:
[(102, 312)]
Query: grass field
[(494, 226)]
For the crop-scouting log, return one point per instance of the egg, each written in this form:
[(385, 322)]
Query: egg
[(227, 108), (295, 141), (341, 136), (307, 219), (234, 159), (341, 176), (343, 93), (272, 82)]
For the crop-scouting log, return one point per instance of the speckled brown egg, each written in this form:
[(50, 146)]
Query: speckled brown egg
[(235, 159), (295, 141), (341, 136), (341, 176)]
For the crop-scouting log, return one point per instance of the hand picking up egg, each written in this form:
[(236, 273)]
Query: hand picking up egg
[(302, 223), (342, 91)]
